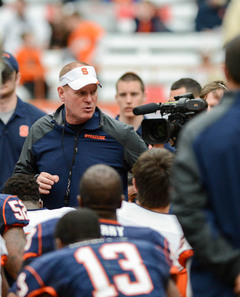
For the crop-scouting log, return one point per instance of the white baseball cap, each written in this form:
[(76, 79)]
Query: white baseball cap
[(79, 77)]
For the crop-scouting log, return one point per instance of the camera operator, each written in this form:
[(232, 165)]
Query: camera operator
[(160, 131), (183, 86)]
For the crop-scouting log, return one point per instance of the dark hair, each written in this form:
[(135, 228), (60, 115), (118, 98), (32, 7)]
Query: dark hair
[(131, 76), (191, 85), (232, 58), (77, 225), (101, 187), (24, 186), (152, 173)]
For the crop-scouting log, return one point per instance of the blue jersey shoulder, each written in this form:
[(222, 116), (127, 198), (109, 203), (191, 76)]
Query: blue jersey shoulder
[(40, 240), (13, 212)]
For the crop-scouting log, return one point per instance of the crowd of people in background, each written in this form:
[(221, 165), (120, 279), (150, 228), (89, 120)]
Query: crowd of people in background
[(87, 205), (67, 27)]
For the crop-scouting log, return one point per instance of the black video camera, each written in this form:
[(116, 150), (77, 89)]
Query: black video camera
[(162, 130)]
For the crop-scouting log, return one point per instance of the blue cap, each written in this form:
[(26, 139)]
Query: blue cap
[(9, 59)]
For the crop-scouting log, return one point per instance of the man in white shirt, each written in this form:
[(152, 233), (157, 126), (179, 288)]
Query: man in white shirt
[(151, 178)]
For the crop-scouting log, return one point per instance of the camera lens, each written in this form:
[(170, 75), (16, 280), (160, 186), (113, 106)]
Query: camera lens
[(159, 131)]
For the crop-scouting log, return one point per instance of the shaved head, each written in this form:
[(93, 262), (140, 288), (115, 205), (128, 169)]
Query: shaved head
[(101, 188)]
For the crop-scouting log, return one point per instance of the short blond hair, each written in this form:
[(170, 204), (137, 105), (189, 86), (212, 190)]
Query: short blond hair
[(71, 66)]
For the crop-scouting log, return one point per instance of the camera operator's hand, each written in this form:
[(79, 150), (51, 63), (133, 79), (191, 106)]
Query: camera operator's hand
[(158, 145)]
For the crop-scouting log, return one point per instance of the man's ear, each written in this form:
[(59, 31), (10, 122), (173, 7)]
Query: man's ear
[(226, 72), (134, 184), (116, 98), (18, 78), (58, 243), (121, 200), (61, 94), (40, 203), (80, 201), (144, 97)]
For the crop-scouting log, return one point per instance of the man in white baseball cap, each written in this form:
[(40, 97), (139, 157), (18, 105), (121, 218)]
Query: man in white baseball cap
[(63, 145), (79, 105), (79, 77)]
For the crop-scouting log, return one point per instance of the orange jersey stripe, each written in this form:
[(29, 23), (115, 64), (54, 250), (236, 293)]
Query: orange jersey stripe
[(29, 255), (51, 291), (4, 206), (184, 256), (108, 221), (3, 260), (36, 275)]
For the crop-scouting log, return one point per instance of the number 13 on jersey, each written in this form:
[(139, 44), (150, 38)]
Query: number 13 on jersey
[(132, 262)]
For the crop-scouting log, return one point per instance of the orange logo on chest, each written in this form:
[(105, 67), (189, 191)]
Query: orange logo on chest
[(23, 130), (98, 137)]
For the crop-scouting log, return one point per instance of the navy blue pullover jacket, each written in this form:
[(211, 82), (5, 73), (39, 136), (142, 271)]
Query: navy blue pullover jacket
[(54, 147)]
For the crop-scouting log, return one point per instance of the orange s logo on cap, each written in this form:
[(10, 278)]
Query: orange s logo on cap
[(23, 130), (6, 55), (84, 71)]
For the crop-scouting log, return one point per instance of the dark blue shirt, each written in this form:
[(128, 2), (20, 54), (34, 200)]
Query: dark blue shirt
[(12, 136)]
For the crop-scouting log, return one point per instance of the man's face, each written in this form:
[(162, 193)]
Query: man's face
[(80, 104), (129, 95), (9, 84), (177, 92)]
